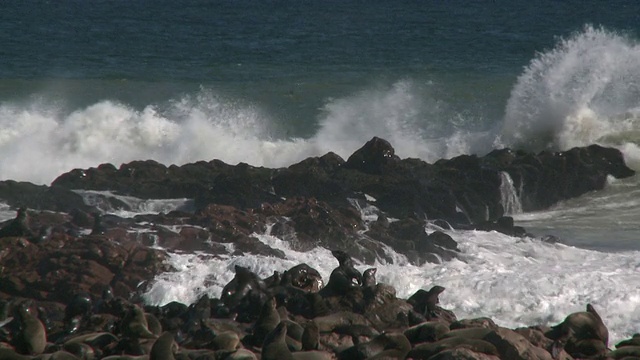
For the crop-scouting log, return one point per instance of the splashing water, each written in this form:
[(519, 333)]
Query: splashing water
[(585, 90), (509, 196)]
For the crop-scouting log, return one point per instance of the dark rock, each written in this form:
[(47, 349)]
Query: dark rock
[(375, 157)]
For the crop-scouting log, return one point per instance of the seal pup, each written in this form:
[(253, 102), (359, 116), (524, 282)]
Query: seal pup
[(32, 338), (275, 345)]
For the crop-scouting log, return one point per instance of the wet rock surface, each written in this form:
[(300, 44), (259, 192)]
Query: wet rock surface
[(77, 272), (278, 319)]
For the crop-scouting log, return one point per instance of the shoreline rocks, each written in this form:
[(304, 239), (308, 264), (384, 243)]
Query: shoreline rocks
[(65, 252), (271, 319)]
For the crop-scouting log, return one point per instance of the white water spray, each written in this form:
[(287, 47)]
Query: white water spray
[(509, 196)]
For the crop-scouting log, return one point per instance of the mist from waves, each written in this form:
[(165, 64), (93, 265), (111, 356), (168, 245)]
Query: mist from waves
[(584, 90), (43, 141), (516, 282)]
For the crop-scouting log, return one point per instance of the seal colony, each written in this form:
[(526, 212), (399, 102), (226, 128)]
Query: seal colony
[(71, 275), (276, 319)]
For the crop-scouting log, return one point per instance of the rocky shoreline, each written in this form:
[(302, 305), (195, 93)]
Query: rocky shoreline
[(60, 252)]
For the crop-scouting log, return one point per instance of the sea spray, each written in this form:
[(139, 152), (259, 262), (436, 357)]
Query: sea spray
[(207, 125), (509, 196), (582, 91)]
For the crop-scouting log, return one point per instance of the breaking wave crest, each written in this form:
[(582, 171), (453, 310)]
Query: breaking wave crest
[(585, 90)]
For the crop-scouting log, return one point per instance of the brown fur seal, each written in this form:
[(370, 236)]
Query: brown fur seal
[(240, 286), (582, 325), (425, 302), (426, 350), (386, 344), (343, 278), (32, 339), (134, 324), (267, 321), (625, 352), (226, 340), (369, 278), (275, 346), (634, 341), (9, 354), (312, 355), (579, 326), (310, 336), (164, 347), (304, 277), (18, 227)]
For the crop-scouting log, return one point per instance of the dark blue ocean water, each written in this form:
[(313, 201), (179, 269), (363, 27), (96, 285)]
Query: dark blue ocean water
[(287, 57)]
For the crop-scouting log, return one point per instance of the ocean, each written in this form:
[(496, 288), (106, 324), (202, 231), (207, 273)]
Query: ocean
[(271, 83)]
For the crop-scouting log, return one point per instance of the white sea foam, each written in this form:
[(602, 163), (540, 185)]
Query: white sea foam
[(41, 141), (514, 281), (132, 206)]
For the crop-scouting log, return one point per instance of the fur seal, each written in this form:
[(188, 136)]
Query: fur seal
[(343, 278), (582, 325), (312, 355), (80, 350), (626, 352), (426, 350), (369, 278), (226, 340), (578, 326), (275, 346), (9, 354), (164, 347), (310, 336), (385, 345), (77, 312), (304, 277), (135, 325), (267, 321), (244, 282), (425, 302), (18, 227), (634, 341), (32, 339), (429, 331)]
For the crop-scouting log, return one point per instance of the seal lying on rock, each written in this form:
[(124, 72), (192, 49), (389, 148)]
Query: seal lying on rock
[(578, 329)]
